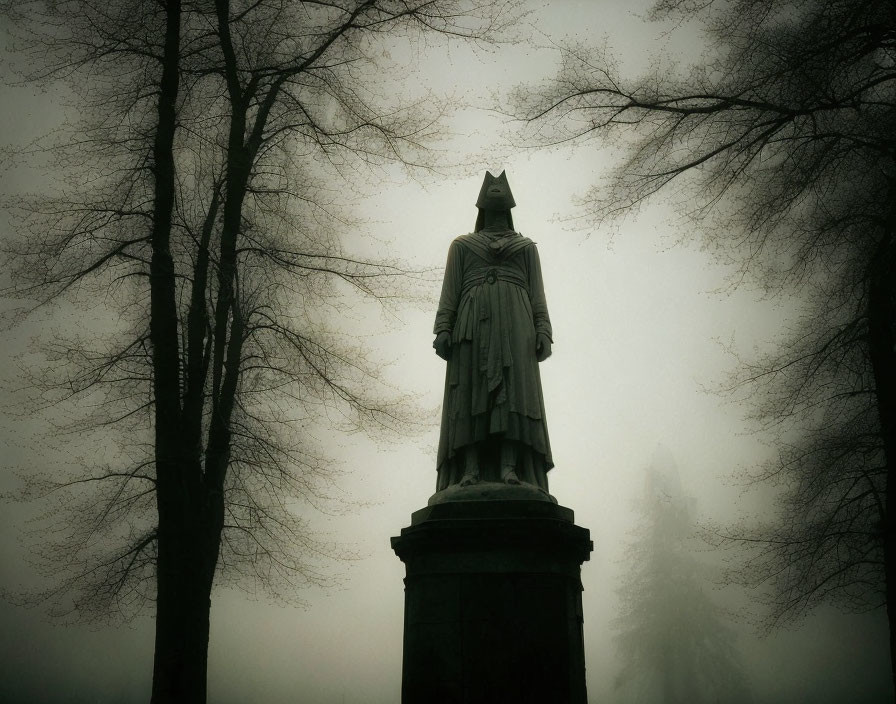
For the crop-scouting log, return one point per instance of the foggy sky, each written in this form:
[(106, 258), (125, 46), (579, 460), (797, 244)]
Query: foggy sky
[(639, 324)]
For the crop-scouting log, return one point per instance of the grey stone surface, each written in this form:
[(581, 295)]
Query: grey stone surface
[(493, 603), (493, 328), (491, 491), (493, 590)]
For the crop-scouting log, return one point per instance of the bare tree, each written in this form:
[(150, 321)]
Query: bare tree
[(780, 143), (206, 206)]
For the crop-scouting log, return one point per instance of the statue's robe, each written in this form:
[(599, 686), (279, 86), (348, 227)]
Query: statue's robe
[(493, 305)]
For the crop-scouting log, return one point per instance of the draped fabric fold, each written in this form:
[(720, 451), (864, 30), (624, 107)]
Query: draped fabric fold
[(493, 305)]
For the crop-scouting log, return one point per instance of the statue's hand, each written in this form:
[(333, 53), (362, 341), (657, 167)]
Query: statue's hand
[(542, 347), (442, 344)]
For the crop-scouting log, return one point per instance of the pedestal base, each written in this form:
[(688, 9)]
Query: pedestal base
[(493, 604)]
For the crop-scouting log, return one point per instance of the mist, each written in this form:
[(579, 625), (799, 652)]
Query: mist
[(645, 326)]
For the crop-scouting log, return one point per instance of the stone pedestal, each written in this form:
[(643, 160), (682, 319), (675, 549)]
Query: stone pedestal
[(493, 602)]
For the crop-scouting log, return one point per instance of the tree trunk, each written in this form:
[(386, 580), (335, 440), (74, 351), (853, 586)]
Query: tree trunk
[(189, 541), (182, 622), (182, 596), (882, 349)]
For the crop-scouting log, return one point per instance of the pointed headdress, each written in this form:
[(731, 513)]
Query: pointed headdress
[(495, 193)]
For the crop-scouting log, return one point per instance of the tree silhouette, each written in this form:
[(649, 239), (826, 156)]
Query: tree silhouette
[(780, 144), (204, 205), (671, 637)]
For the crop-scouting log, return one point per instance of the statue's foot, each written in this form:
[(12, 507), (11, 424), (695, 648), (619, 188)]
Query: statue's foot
[(469, 479), (510, 477)]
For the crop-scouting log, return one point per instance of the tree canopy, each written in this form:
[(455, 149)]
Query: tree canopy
[(779, 143), (206, 180)]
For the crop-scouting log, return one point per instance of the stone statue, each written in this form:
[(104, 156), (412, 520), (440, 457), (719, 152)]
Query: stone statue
[(493, 329)]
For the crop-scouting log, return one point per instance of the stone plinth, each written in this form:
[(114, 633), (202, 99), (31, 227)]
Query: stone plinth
[(493, 603)]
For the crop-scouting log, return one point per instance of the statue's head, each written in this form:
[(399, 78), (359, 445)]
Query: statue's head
[(495, 193), (494, 198)]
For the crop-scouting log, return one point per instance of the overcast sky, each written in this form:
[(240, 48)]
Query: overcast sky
[(638, 325)]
